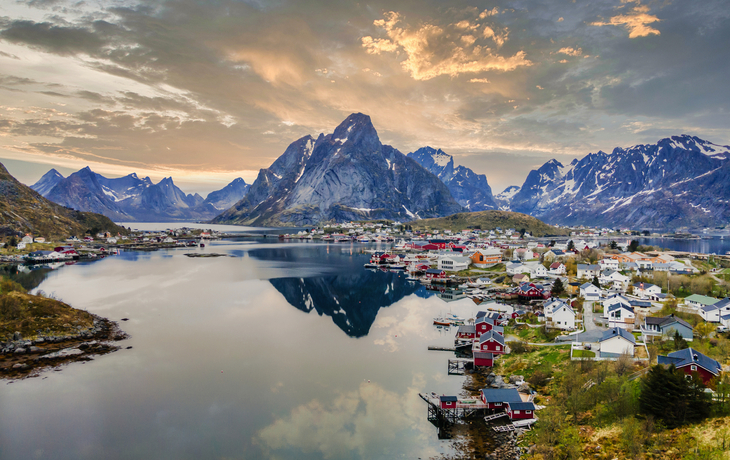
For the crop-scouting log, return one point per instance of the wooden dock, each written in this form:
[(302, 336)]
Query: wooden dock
[(489, 418), (458, 366), (465, 408), (433, 348)]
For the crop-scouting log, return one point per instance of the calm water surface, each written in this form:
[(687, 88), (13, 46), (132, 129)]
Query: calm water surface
[(280, 351)]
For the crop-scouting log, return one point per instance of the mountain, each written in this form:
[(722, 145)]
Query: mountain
[(47, 182), (490, 220), (343, 176), (681, 181), (504, 198), (82, 191), (352, 301), (131, 198), (23, 210), (470, 189), (229, 195)]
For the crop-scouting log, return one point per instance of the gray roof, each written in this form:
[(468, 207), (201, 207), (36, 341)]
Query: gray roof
[(501, 395), (483, 355), (467, 329), (589, 267), (618, 332), (688, 356), (585, 285), (448, 398), (666, 321), (616, 306), (489, 335)]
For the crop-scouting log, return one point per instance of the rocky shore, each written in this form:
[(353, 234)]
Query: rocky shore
[(20, 358)]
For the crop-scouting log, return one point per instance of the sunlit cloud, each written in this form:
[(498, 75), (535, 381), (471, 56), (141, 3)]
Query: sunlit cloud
[(431, 52), (636, 22), (570, 51)]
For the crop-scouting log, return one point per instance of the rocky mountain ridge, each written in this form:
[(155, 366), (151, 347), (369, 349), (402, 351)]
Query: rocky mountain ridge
[(471, 190), (681, 181), (131, 198), (343, 176)]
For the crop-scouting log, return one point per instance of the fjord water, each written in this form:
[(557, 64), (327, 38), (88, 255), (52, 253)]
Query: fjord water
[(277, 351)]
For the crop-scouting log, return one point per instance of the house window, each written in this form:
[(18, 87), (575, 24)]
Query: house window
[(498, 348), (528, 412), (693, 368), (517, 412)]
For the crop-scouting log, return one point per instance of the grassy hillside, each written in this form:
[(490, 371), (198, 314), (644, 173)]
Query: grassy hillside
[(23, 210), (489, 220)]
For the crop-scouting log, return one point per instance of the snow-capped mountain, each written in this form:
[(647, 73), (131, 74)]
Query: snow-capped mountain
[(346, 175), (229, 195), (130, 198), (47, 182), (471, 190), (504, 198), (679, 181)]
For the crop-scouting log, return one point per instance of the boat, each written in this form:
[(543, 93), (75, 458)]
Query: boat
[(442, 321)]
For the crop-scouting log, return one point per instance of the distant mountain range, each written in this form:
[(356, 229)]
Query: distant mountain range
[(23, 210), (346, 175), (470, 189), (130, 198), (681, 181)]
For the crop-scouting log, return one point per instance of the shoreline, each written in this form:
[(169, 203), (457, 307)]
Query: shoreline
[(21, 359)]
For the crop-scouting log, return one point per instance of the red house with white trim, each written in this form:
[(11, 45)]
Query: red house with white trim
[(491, 342), (520, 410), (448, 402)]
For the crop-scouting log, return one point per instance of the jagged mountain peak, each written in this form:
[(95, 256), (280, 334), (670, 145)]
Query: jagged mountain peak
[(680, 180), (349, 175), (47, 182), (470, 189)]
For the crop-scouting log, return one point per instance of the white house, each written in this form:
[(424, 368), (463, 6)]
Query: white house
[(537, 270), (453, 263), (590, 292), (27, 239), (614, 279), (710, 313), (610, 264), (619, 315), (588, 271), (557, 268), (617, 341), (562, 317), (517, 268), (645, 290), (697, 301), (20, 245)]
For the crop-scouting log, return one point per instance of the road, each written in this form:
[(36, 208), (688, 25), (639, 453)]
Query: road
[(592, 332)]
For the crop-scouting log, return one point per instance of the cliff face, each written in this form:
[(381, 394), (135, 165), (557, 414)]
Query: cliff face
[(469, 189)]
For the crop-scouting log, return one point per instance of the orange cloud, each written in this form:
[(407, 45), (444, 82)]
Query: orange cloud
[(571, 51), (636, 21), (430, 51)]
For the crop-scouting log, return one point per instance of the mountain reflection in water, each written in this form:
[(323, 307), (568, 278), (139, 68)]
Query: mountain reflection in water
[(352, 300)]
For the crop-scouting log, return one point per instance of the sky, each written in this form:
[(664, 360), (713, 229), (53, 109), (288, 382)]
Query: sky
[(207, 91)]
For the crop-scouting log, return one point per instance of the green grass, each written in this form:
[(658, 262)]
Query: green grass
[(538, 358), (584, 354), (535, 334)]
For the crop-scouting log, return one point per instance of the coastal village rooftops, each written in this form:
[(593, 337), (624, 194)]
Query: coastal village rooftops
[(618, 332), (467, 329), (688, 356)]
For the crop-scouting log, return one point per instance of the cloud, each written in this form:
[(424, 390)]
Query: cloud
[(365, 421), (636, 22), (571, 51), (49, 37), (432, 50)]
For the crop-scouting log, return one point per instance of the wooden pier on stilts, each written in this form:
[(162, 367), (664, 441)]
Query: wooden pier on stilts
[(464, 408), (458, 366)]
